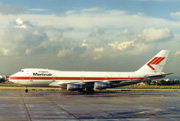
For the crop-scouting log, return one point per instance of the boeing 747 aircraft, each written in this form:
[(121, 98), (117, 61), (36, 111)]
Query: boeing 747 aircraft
[(89, 81)]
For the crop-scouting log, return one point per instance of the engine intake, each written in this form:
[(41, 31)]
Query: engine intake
[(101, 85), (74, 87)]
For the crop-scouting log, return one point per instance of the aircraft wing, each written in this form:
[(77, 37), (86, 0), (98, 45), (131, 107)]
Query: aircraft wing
[(90, 82), (62, 82), (65, 82)]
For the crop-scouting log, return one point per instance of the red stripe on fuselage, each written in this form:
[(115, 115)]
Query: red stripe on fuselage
[(74, 78)]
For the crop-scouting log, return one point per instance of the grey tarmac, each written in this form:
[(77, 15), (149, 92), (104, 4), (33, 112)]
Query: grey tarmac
[(16, 105)]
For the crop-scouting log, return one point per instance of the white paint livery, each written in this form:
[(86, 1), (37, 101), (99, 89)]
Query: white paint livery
[(88, 81)]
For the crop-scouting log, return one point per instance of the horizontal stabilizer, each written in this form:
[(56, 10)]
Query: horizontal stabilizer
[(156, 75)]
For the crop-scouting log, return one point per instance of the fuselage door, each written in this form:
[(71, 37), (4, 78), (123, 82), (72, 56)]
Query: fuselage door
[(53, 78), (31, 76), (82, 79), (26, 72)]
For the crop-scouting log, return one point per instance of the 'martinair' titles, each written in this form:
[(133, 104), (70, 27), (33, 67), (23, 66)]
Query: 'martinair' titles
[(40, 74)]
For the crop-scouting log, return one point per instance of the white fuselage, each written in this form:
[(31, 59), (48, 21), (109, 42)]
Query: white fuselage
[(46, 77)]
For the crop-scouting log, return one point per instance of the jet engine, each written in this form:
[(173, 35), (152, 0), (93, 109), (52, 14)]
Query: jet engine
[(101, 85), (74, 87)]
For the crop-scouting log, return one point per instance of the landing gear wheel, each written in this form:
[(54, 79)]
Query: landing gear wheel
[(90, 91), (80, 91), (26, 90)]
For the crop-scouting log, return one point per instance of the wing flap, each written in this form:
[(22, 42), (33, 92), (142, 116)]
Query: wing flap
[(63, 82)]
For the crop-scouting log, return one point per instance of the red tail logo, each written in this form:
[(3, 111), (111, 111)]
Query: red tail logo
[(155, 61)]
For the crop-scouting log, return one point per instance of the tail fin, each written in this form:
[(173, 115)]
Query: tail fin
[(156, 64)]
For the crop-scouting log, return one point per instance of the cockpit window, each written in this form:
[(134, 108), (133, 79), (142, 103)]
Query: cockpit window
[(22, 70)]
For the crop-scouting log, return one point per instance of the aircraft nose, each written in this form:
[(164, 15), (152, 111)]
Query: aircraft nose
[(12, 78)]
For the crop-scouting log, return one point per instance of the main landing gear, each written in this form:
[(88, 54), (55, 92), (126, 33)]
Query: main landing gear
[(86, 91)]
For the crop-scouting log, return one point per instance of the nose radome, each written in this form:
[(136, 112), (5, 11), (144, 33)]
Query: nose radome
[(12, 78)]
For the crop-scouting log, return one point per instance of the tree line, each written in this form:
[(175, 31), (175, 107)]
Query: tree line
[(163, 82)]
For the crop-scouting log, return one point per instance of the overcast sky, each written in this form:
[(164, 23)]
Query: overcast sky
[(88, 35)]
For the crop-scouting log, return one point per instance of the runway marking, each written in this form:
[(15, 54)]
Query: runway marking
[(60, 107), (29, 115)]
